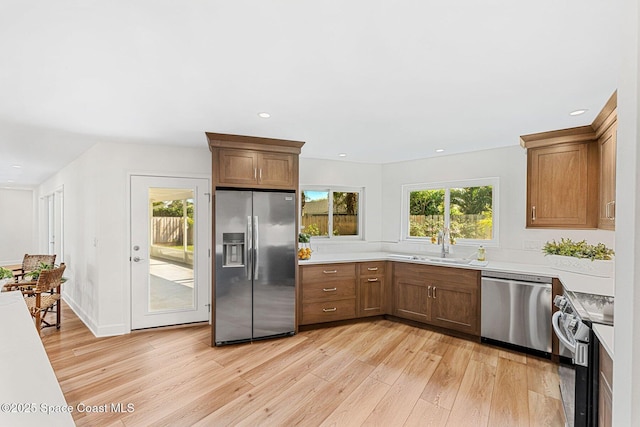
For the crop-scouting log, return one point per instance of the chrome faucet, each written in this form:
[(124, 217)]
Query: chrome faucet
[(442, 239)]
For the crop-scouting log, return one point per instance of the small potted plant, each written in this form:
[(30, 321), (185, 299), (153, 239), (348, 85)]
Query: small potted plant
[(6, 276), (580, 257), (35, 273)]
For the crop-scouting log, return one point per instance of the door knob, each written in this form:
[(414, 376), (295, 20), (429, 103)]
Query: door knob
[(137, 259)]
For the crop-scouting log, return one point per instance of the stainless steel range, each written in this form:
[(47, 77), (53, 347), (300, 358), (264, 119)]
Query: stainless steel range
[(572, 324)]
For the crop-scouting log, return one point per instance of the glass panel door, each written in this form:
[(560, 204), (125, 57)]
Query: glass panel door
[(169, 251)]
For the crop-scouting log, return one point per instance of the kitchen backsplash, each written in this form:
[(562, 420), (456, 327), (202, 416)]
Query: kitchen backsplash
[(530, 256)]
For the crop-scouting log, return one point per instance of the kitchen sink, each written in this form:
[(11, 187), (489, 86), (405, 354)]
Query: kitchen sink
[(434, 259), (438, 260)]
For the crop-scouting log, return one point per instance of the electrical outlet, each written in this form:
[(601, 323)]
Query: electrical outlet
[(532, 245)]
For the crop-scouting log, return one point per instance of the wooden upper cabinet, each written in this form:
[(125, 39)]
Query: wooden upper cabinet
[(237, 167), (562, 178), (251, 162), (275, 169), (607, 144), (561, 186), (571, 174), (605, 126)]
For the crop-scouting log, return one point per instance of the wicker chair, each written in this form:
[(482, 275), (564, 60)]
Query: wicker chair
[(32, 262), (44, 294)]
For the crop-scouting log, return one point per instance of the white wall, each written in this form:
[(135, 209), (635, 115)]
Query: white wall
[(626, 373), (510, 166), (18, 225), (349, 174), (96, 220)]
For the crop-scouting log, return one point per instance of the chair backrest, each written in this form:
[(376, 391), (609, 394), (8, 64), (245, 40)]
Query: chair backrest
[(50, 279), (31, 262)]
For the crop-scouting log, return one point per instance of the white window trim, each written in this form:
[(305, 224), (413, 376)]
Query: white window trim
[(331, 189), (447, 185)]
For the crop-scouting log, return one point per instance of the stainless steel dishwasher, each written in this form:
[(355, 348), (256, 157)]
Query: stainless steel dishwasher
[(516, 310)]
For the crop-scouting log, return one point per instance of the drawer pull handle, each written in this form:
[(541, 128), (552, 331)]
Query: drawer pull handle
[(434, 292), (429, 292), (329, 271), (329, 289), (372, 280), (327, 310), (372, 268)]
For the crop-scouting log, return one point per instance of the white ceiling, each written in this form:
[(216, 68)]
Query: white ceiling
[(383, 81)]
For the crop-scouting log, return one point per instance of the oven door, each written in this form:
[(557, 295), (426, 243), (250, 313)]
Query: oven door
[(574, 378)]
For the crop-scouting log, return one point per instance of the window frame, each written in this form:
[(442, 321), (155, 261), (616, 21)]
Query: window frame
[(338, 189), (494, 182)]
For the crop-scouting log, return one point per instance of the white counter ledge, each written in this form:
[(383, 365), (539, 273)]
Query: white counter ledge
[(571, 281), (28, 386), (605, 335)]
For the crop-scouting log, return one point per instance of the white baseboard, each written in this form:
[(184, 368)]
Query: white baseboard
[(98, 331)]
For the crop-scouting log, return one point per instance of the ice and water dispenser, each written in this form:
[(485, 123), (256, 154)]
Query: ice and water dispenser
[(233, 249)]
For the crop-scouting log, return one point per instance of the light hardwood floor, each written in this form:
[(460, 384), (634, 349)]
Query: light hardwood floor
[(371, 373)]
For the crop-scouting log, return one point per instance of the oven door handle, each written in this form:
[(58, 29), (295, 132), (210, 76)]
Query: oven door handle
[(555, 321)]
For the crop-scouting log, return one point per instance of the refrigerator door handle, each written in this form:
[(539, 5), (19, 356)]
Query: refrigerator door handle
[(256, 247), (248, 249)]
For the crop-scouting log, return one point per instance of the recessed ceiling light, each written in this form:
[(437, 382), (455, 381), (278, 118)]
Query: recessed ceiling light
[(577, 112), (342, 154), (264, 115), (16, 166), (440, 150)]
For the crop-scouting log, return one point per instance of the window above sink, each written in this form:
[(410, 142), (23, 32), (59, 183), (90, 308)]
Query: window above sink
[(468, 209)]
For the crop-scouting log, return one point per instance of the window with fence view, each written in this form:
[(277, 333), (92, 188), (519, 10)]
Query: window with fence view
[(330, 213), (467, 212)]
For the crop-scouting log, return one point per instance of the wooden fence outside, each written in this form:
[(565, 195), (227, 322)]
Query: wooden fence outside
[(343, 225), (170, 230), (469, 226)]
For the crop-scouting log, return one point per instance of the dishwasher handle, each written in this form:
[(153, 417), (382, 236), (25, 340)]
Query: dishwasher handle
[(489, 279)]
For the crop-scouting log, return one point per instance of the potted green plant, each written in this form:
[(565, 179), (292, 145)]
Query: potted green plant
[(35, 273), (6, 276), (580, 257)]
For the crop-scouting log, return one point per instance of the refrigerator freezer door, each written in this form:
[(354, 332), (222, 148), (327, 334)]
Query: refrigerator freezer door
[(274, 252), (233, 290)]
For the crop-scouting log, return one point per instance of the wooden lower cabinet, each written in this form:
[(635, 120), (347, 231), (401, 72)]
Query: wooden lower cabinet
[(341, 291), (411, 300), (447, 297), (371, 294), (455, 306), (327, 293), (328, 311), (605, 390)]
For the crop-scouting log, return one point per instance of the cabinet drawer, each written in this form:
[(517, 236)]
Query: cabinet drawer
[(318, 312), (326, 272), (328, 289), (371, 268)]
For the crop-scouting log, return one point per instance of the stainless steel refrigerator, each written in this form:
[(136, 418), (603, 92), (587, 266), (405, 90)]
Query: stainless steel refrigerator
[(255, 265)]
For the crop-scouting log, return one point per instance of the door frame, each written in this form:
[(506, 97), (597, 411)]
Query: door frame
[(52, 217), (127, 243)]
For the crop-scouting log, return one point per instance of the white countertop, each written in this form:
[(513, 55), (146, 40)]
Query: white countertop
[(571, 281), (605, 335), (28, 387)]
